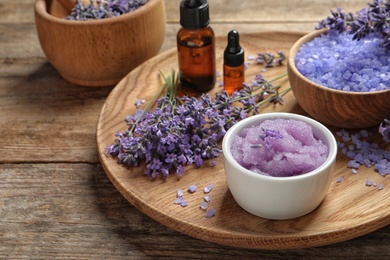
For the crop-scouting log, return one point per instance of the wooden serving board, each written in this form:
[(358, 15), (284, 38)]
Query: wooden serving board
[(349, 210)]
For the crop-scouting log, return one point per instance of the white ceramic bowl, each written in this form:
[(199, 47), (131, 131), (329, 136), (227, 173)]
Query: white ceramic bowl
[(279, 197)]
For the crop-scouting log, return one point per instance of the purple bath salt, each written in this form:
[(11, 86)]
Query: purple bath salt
[(279, 148), (338, 62)]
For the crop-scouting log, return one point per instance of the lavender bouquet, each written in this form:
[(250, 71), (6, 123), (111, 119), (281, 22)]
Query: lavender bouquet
[(182, 131)]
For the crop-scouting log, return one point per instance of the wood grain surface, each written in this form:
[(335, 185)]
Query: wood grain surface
[(338, 218), (56, 201)]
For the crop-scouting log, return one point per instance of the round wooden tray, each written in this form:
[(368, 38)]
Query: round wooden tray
[(349, 210)]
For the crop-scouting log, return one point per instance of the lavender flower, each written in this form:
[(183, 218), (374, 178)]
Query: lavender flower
[(210, 213), (103, 9), (186, 130), (270, 60), (384, 130), (373, 19)]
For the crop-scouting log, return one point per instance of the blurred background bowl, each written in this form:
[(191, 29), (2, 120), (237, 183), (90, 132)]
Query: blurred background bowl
[(334, 107), (99, 52)]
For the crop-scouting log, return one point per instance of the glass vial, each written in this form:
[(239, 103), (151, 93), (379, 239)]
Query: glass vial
[(233, 64), (196, 46)]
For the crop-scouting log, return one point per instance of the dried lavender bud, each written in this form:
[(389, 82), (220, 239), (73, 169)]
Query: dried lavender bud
[(179, 193), (373, 19), (204, 205), (339, 180), (384, 130), (207, 198), (208, 188), (270, 60), (210, 213), (192, 188), (381, 186), (184, 203), (103, 9), (179, 200)]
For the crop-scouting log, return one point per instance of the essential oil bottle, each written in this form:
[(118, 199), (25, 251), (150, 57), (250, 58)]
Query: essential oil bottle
[(196, 46), (233, 64)]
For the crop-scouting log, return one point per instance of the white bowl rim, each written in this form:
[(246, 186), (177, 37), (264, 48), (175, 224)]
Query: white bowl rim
[(332, 147)]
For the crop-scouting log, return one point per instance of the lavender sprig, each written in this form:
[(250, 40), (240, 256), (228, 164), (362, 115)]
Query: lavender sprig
[(373, 19), (186, 130), (103, 9), (384, 130), (271, 60)]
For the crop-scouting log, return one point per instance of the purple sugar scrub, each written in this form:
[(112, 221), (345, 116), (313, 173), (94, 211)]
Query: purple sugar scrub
[(336, 61), (279, 148), (280, 197)]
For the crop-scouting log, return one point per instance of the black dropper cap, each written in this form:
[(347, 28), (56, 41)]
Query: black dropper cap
[(233, 55), (194, 14)]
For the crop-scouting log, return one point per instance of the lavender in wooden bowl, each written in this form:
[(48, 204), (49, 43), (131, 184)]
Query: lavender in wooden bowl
[(99, 52), (340, 75)]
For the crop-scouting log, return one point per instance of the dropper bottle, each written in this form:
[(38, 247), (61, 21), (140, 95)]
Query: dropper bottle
[(233, 64), (196, 46)]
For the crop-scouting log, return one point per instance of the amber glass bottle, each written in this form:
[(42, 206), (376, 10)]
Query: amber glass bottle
[(233, 64), (196, 46)]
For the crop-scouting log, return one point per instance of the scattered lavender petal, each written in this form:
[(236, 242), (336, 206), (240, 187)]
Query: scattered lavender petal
[(365, 153), (251, 57), (364, 133), (381, 186), (218, 74), (354, 171), (368, 182), (179, 193), (346, 138), (207, 198), (340, 144), (353, 164), (208, 188), (179, 200), (339, 180), (204, 205), (184, 203), (221, 83), (210, 213), (192, 188)]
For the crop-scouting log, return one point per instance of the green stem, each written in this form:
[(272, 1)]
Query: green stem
[(150, 103)]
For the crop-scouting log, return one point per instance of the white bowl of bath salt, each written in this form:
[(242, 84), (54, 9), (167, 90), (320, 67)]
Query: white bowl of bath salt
[(279, 165)]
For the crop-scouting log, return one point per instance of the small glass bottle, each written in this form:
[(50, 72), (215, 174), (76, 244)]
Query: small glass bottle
[(233, 64), (196, 46)]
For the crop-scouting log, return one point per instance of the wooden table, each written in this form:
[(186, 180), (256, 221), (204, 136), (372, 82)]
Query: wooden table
[(55, 198)]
